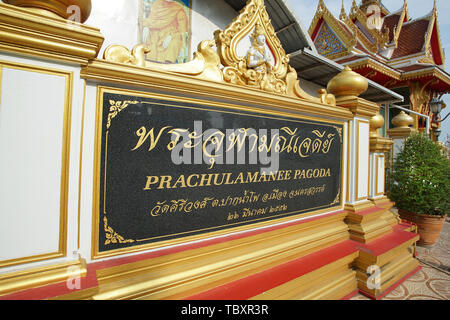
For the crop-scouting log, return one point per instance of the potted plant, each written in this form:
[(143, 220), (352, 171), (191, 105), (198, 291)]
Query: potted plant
[(420, 186)]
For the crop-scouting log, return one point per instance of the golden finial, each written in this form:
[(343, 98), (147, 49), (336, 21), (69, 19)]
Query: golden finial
[(343, 14), (376, 122), (402, 120), (348, 83)]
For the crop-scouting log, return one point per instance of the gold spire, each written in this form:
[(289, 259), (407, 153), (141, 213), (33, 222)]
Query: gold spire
[(343, 14), (367, 3)]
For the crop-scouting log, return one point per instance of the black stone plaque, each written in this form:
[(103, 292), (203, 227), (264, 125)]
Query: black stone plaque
[(145, 197)]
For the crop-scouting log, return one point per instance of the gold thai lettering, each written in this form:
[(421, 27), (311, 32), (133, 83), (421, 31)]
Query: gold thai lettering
[(237, 139), (143, 136), (288, 141)]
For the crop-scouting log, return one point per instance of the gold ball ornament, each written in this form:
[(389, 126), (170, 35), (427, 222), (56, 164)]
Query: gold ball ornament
[(376, 122), (348, 83), (61, 8), (402, 120)]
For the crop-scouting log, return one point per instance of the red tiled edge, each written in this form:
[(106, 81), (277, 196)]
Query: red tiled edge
[(258, 283), (388, 242), (351, 295)]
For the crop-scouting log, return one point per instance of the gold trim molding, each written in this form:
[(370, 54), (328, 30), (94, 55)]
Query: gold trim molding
[(32, 278), (358, 106), (380, 144), (31, 33), (58, 7), (209, 267)]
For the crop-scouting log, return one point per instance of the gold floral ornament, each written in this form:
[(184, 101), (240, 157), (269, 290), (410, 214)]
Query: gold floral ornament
[(112, 236), (205, 65), (115, 108)]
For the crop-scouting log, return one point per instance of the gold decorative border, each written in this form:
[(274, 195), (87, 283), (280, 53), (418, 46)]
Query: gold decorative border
[(377, 66), (357, 198), (80, 171), (26, 32), (96, 254), (64, 188), (377, 159), (348, 159), (205, 268), (32, 278)]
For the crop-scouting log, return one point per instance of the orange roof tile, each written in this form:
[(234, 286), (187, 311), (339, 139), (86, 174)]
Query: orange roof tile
[(391, 22), (412, 38)]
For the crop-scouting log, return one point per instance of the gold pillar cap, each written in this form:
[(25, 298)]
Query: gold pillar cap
[(402, 120), (348, 83), (59, 7), (376, 122)]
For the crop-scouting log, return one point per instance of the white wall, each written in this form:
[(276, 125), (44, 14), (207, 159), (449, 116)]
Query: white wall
[(117, 21), (31, 128), (36, 190), (310, 87), (207, 17)]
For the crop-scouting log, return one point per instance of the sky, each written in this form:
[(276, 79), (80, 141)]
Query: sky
[(305, 10)]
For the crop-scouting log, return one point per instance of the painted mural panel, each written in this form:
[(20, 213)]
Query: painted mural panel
[(165, 26), (327, 43)]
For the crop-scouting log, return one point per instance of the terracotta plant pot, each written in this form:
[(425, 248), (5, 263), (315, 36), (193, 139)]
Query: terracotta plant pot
[(429, 228)]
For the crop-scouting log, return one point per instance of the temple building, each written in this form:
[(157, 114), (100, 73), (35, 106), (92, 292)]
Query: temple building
[(199, 149), (397, 51)]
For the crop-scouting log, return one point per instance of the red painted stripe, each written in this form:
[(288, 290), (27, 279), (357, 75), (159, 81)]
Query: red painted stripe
[(201, 244), (316, 30), (258, 283), (351, 295), (388, 242)]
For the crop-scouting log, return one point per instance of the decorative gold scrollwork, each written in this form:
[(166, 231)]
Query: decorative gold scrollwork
[(112, 236), (265, 66)]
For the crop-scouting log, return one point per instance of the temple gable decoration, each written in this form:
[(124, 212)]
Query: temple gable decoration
[(267, 74), (327, 43), (390, 48), (324, 18), (246, 53)]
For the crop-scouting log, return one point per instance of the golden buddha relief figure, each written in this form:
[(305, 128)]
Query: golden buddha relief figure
[(165, 28), (260, 61), (258, 57)]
